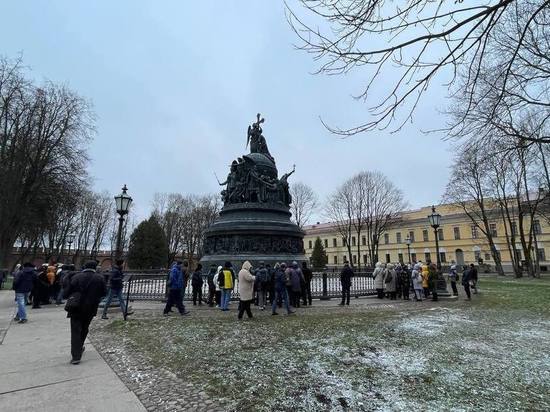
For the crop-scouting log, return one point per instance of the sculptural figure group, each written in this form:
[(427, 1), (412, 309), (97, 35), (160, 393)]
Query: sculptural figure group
[(249, 182)]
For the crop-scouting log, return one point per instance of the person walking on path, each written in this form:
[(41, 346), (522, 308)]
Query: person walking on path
[(345, 280), (263, 281), (308, 276), (22, 284), (225, 280), (466, 277), (85, 290), (416, 277), (279, 282), (453, 277), (115, 289), (211, 285), (390, 282), (246, 290), (378, 277), (473, 277), (175, 296), (196, 284)]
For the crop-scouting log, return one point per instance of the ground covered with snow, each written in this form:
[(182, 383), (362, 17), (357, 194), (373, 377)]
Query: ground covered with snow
[(489, 354)]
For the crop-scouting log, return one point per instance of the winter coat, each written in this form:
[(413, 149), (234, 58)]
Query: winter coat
[(390, 280), (416, 277), (405, 279), (24, 280), (279, 280), (425, 275), (176, 278), (215, 280), (308, 275), (246, 282), (432, 277), (453, 274), (51, 274), (345, 276), (296, 279), (196, 279), (227, 278), (378, 276), (263, 279), (473, 274), (466, 277), (116, 278), (92, 287)]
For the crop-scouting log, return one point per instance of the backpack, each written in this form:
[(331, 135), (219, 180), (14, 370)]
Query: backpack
[(221, 279)]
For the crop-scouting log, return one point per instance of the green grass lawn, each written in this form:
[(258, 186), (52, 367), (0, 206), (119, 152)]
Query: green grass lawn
[(489, 354)]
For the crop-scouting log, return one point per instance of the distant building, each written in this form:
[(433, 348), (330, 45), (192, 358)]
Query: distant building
[(459, 240)]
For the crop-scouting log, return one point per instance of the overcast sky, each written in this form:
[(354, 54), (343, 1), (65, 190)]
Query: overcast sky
[(175, 84)]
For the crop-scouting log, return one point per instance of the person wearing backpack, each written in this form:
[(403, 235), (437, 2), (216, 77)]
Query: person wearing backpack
[(296, 282), (196, 284), (115, 289), (175, 296), (262, 277), (279, 282), (83, 294)]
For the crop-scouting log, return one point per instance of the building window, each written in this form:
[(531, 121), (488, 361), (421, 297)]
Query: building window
[(353, 240), (541, 255), (413, 257), (514, 228), (386, 238), (425, 235), (344, 242), (474, 231), (364, 241), (518, 254), (440, 234), (345, 259), (310, 245), (334, 242), (477, 254), (411, 236), (487, 256), (443, 257), (427, 257), (335, 260), (388, 258), (326, 243), (493, 229), (456, 231), (536, 227), (354, 259), (398, 237), (400, 257), (365, 259)]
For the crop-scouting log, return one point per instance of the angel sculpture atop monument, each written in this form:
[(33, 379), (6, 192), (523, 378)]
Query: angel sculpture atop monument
[(256, 140)]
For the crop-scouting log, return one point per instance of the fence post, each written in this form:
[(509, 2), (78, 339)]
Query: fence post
[(128, 296), (325, 287)]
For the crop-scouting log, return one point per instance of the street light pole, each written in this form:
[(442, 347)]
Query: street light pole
[(435, 221), (123, 202), (408, 242), (70, 239)]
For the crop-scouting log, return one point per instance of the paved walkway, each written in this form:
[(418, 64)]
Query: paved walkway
[(35, 371)]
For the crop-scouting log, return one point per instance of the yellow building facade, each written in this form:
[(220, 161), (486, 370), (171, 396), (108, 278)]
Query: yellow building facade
[(460, 241)]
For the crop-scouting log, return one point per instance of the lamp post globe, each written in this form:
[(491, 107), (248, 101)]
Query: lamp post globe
[(122, 202)]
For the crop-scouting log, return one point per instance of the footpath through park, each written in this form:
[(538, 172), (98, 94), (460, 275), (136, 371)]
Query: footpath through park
[(35, 371)]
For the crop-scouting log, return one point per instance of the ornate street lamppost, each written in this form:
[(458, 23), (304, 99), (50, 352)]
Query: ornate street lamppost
[(435, 222), (123, 202), (408, 242), (70, 240)]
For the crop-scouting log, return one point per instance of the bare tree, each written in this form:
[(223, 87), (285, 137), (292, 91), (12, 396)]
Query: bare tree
[(415, 42), (339, 209), (43, 135), (304, 203)]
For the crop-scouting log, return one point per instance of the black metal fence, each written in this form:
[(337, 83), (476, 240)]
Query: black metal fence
[(149, 286)]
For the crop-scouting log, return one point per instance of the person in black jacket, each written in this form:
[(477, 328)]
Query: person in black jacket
[(196, 285), (308, 275), (115, 289), (23, 284), (91, 287), (211, 285), (466, 277), (345, 280)]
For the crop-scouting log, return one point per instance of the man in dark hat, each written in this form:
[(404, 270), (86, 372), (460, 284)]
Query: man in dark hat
[(86, 289)]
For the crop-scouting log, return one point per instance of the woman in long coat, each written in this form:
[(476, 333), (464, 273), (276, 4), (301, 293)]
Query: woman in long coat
[(390, 281), (246, 289), (378, 277)]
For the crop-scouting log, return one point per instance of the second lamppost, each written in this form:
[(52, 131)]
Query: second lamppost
[(435, 222), (123, 202), (408, 241)]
